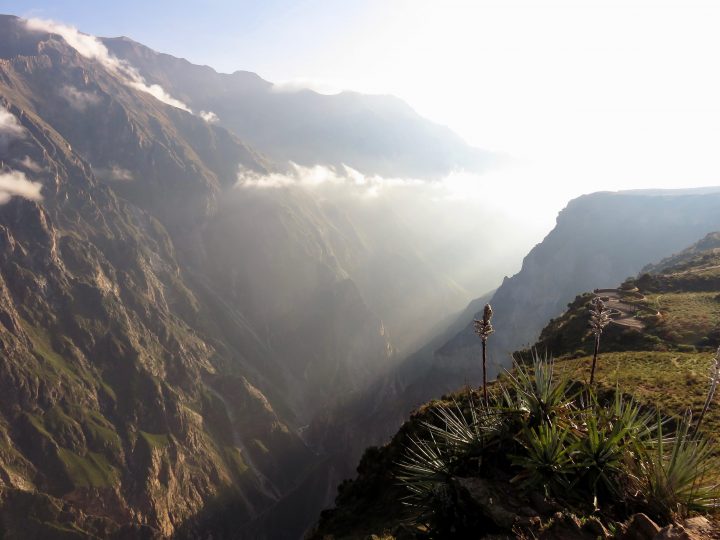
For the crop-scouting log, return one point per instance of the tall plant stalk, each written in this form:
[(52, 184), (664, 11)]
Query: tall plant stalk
[(599, 319), (483, 328), (714, 379)]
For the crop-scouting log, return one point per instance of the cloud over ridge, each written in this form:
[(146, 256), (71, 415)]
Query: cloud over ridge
[(78, 99), (91, 47), (10, 129), (15, 183)]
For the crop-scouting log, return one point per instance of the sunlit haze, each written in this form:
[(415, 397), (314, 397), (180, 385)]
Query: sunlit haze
[(284, 269), (581, 96), (590, 95)]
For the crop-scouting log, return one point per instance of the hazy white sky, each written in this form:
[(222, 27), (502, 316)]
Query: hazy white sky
[(590, 95), (585, 95)]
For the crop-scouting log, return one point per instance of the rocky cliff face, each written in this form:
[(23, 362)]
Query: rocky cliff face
[(164, 335), (598, 241)]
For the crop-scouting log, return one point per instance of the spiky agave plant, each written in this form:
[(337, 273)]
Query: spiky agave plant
[(464, 431), (714, 379), (599, 319), (546, 461), (536, 392), (483, 329), (601, 453), (453, 442), (678, 473), (424, 471)]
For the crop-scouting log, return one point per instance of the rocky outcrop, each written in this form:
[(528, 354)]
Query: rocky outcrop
[(584, 251)]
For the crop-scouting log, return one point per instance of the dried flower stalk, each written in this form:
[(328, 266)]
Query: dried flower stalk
[(483, 329), (599, 319)]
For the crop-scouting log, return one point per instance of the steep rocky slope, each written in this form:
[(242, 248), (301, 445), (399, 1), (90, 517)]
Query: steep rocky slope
[(662, 361), (118, 408), (165, 335)]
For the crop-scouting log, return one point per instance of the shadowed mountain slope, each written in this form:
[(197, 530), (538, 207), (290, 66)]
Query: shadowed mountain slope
[(166, 336), (371, 133)]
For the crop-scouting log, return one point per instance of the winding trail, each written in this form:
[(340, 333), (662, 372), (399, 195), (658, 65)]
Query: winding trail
[(622, 313)]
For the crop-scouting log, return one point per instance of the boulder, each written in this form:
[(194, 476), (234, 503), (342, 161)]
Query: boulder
[(641, 527)]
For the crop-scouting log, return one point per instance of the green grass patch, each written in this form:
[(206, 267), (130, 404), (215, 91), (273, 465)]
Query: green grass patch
[(155, 440), (101, 433), (235, 459), (39, 425), (42, 345), (670, 381), (91, 470), (688, 316)]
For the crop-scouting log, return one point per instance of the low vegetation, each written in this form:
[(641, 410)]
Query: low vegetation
[(592, 453)]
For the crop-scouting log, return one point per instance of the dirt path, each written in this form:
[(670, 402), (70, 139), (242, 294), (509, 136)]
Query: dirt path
[(622, 314)]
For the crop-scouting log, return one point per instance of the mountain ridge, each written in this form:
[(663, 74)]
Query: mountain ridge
[(375, 134)]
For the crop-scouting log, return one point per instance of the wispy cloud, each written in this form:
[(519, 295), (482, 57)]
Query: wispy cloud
[(28, 163), (10, 129), (15, 183), (444, 221), (115, 173), (209, 116), (91, 47), (79, 100), (158, 92), (321, 175)]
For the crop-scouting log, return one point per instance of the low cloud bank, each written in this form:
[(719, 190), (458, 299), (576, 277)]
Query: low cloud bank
[(115, 173), (321, 175), (10, 129), (15, 183), (91, 47), (78, 99), (469, 228), (31, 165)]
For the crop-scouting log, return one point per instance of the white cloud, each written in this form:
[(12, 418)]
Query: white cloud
[(445, 221), (28, 163), (91, 47), (9, 125), (209, 116), (15, 183), (10, 129), (115, 173), (321, 175), (79, 99), (159, 93)]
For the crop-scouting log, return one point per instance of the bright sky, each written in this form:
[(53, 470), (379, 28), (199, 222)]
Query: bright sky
[(586, 95)]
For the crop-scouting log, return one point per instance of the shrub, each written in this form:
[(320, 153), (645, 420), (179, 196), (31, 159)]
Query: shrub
[(676, 472), (544, 432)]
